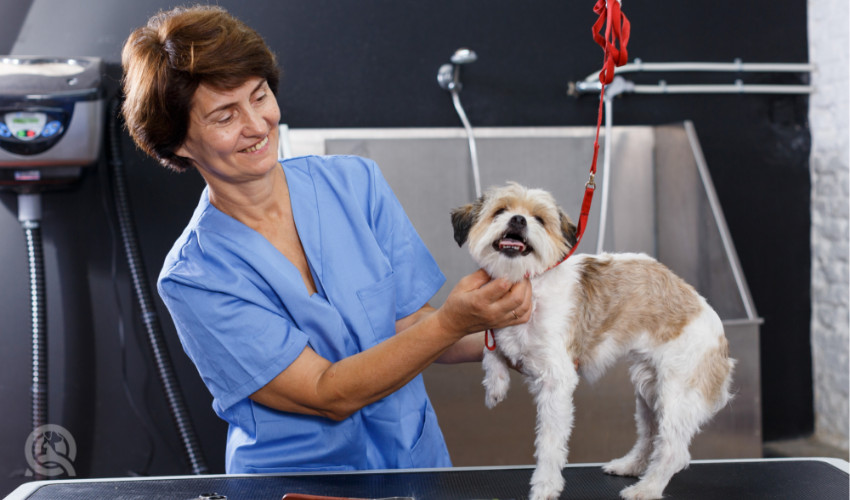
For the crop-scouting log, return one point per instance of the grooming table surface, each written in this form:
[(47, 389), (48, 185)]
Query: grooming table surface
[(819, 479)]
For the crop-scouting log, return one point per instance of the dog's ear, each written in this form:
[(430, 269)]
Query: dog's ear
[(463, 218), (568, 229)]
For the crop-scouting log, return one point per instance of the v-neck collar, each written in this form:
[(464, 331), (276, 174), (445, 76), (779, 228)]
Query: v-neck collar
[(305, 212)]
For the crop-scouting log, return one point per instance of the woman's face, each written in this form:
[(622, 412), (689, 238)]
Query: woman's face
[(233, 134)]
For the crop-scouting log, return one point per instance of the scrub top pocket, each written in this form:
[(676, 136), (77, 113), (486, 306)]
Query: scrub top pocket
[(430, 448), (378, 302)]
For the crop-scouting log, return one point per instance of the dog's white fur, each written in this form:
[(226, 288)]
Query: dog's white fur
[(588, 312)]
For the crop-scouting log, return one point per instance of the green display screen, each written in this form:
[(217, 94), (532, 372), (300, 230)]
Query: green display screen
[(23, 120)]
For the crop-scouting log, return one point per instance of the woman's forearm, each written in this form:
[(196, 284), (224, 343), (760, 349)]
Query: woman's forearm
[(314, 385), (466, 350)]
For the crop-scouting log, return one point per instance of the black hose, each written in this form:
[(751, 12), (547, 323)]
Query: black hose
[(35, 257), (150, 318)]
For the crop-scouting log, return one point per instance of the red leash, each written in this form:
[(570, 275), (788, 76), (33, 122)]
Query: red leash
[(617, 29)]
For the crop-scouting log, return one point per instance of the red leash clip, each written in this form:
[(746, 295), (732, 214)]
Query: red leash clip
[(489, 334)]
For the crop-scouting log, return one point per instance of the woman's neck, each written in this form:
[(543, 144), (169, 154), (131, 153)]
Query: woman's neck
[(253, 203)]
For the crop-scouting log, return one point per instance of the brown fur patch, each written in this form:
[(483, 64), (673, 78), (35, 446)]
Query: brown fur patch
[(478, 229), (621, 298), (712, 372), (463, 218), (568, 229)]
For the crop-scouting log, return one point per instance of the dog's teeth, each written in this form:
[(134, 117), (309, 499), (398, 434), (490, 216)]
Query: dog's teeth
[(514, 244)]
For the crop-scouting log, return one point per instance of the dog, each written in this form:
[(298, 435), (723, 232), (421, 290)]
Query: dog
[(589, 311)]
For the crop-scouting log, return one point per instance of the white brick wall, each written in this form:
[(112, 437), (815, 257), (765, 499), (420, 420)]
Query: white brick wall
[(829, 45)]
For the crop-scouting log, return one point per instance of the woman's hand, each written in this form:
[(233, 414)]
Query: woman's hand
[(478, 303)]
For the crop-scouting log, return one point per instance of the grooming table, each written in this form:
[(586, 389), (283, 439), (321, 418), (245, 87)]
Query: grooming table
[(817, 479)]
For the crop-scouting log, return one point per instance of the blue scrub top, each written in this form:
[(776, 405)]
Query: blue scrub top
[(243, 315)]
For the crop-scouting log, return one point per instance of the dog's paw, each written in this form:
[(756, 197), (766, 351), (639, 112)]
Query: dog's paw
[(642, 490), (496, 389), (541, 496), (492, 398), (625, 466), (546, 486)]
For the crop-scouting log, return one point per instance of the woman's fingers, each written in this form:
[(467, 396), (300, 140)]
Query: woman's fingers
[(510, 302), (479, 302)]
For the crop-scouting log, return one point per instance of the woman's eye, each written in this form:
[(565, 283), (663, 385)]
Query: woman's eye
[(225, 119)]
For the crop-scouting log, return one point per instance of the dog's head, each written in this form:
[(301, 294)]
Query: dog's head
[(514, 231)]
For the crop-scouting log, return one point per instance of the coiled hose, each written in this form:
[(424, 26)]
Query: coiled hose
[(29, 211), (150, 318)]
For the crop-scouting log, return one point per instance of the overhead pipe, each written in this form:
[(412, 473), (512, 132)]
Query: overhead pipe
[(591, 82)]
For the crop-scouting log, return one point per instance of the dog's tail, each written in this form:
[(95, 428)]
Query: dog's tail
[(712, 374), (717, 375), (728, 364)]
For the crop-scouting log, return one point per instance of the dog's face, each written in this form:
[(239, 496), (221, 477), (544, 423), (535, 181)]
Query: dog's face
[(514, 231)]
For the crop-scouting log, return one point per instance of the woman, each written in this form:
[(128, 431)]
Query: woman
[(299, 288)]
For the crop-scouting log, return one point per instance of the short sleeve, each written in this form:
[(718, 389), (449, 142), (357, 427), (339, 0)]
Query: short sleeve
[(417, 275), (237, 346)]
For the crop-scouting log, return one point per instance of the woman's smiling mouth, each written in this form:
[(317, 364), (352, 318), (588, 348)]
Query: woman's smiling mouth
[(258, 146)]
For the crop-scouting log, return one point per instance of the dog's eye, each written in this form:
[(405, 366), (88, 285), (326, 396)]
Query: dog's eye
[(499, 212), (540, 220)]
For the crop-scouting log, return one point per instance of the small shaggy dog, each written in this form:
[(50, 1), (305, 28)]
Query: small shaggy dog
[(588, 312)]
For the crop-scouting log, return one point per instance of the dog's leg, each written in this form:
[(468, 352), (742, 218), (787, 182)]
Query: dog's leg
[(553, 391), (681, 414), (635, 462), (645, 380), (497, 378)]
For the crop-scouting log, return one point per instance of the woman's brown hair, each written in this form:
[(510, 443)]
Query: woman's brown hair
[(165, 61)]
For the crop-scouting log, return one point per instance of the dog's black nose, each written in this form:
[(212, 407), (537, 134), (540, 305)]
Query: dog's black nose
[(517, 222)]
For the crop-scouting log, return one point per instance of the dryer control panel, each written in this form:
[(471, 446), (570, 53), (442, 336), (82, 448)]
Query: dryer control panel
[(51, 115), (32, 131)]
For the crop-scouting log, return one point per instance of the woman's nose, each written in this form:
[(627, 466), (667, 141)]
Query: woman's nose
[(254, 122)]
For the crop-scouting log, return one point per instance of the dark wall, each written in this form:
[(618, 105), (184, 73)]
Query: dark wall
[(13, 14), (373, 63)]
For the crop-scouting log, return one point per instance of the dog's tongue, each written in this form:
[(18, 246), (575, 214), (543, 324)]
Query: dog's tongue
[(510, 243)]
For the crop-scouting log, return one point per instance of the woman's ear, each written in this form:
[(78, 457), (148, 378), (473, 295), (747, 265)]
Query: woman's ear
[(182, 151), (182, 158)]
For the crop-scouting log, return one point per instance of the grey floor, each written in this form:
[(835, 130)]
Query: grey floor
[(803, 447)]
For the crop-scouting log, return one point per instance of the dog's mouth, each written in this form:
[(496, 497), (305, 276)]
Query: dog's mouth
[(512, 244)]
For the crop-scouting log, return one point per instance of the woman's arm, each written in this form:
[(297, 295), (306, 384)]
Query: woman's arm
[(468, 349), (313, 385)]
